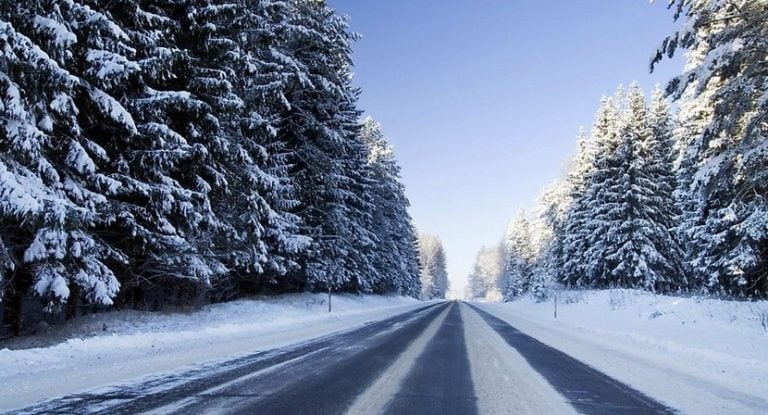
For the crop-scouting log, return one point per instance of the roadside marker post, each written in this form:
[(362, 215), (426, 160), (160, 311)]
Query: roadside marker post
[(555, 303)]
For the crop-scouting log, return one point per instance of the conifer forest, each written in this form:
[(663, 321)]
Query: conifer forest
[(159, 154), (181, 152)]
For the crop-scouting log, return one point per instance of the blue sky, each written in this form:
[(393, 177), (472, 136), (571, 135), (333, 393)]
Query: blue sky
[(483, 99)]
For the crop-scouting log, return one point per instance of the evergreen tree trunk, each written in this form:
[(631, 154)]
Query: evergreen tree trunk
[(73, 302), (12, 303)]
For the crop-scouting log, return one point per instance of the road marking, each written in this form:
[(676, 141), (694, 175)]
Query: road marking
[(381, 392)]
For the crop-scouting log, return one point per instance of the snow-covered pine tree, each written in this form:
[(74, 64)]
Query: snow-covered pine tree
[(206, 33), (415, 289), (641, 250), (261, 85), (551, 212), (518, 257), (160, 217), (29, 182), (395, 256), (661, 210), (584, 184), (357, 190), (51, 186), (434, 275), (726, 153), (691, 120), (487, 277), (570, 255), (319, 130), (630, 199), (629, 188), (608, 196), (251, 194)]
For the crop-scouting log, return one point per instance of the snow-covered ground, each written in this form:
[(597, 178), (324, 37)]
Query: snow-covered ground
[(118, 347), (696, 355)]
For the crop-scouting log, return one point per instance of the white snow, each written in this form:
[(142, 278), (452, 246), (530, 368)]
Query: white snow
[(61, 36), (21, 193), (696, 355), (48, 243), (113, 108), (79, 160), (127, 346), (110, 66)]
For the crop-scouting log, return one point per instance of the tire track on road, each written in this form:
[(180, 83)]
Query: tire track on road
[(440, 381)]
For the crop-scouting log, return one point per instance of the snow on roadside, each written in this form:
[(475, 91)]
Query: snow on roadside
[(138, 344), (696, 355)]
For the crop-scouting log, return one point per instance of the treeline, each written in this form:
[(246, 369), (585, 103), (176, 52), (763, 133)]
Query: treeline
[(177, 152), (659, 201)]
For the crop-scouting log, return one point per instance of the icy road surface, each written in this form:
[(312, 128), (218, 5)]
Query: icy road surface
[(445, 358)]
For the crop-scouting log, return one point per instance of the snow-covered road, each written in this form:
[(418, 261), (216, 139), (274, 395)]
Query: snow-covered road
[(444, 358)]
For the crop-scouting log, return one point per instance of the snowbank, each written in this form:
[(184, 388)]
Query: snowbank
[(697, 355), (116, 347)]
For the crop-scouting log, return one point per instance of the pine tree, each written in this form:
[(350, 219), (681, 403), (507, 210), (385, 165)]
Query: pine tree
[(518, 256), (52, 186), (161, 217), (629, 199), (258, 85), (660, 209), (251, 193), (586, 188), (487, 278), (434, 276), (315, 125), (691, 121), (551, 212), (725, 77), (571, 256), (638, 222), (609, 195), (395, 256)]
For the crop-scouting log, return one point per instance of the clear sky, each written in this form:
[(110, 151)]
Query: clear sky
[(483, 99)]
